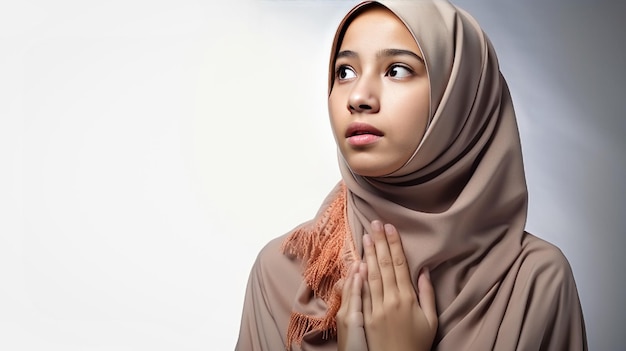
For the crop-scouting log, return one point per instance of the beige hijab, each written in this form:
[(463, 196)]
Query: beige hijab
[(459, 203)]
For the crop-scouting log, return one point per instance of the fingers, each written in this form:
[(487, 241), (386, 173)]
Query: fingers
[(426, 295), (383, 255), (355, 308), (374, 282), (350, 321), (400, 267), (352, 289), (386, 261), (381, 275), (346, 290), (366, 292)]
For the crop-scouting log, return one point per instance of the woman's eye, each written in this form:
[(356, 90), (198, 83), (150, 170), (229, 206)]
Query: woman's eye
[(345, 72), (397, 71)]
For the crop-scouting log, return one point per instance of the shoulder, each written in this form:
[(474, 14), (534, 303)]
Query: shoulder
[(544, 269), (544, 300), (276, 271), (544, 311), (271, 257), (274, 281), (271, 251), (543, 258)]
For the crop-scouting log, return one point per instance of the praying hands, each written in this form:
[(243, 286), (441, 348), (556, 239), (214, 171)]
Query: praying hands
[(380, 309)]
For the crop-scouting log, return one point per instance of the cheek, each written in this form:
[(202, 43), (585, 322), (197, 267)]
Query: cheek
[(411, 124), (419, 107)]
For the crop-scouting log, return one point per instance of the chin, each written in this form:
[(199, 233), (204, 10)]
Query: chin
[(372, 164), (371, 171)]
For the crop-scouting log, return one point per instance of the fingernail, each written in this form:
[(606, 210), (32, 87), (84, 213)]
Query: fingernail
[(388, 229), (377, 225), (367, 240), (427, 273)]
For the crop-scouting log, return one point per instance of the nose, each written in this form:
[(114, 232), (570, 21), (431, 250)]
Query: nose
[(364, 97)]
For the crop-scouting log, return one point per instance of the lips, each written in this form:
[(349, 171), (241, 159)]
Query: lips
[(362, 129), (362, 135)]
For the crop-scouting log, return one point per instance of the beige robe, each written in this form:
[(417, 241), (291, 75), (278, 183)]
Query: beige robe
[(541, 280)]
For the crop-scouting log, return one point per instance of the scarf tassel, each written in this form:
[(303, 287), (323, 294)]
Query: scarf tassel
[(321, 247)]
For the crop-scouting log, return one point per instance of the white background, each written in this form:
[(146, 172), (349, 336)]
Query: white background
[(149, 149)]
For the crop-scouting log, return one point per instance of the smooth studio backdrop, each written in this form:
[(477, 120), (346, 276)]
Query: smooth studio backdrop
[(149, 149)]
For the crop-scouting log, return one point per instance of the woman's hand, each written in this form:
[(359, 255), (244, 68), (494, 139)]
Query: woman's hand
[(395, 318), (350, 332)]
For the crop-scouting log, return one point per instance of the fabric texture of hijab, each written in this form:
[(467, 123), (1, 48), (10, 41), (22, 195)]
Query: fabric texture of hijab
[(459, 204)]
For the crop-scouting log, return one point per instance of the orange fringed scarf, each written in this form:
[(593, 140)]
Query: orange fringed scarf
[(322, 247)]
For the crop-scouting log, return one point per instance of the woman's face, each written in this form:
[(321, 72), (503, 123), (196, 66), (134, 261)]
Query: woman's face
[(379, 102)]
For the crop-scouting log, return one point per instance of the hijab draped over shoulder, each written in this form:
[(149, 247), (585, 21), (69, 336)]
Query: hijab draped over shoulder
[(459, 204)]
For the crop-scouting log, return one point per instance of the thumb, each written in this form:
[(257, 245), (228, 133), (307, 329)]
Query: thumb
[(426, 296)]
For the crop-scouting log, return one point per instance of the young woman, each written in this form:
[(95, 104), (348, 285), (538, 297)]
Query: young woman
[(421, 245)]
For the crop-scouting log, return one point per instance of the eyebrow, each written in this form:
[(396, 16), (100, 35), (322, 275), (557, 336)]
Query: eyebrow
[(382, 53)]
